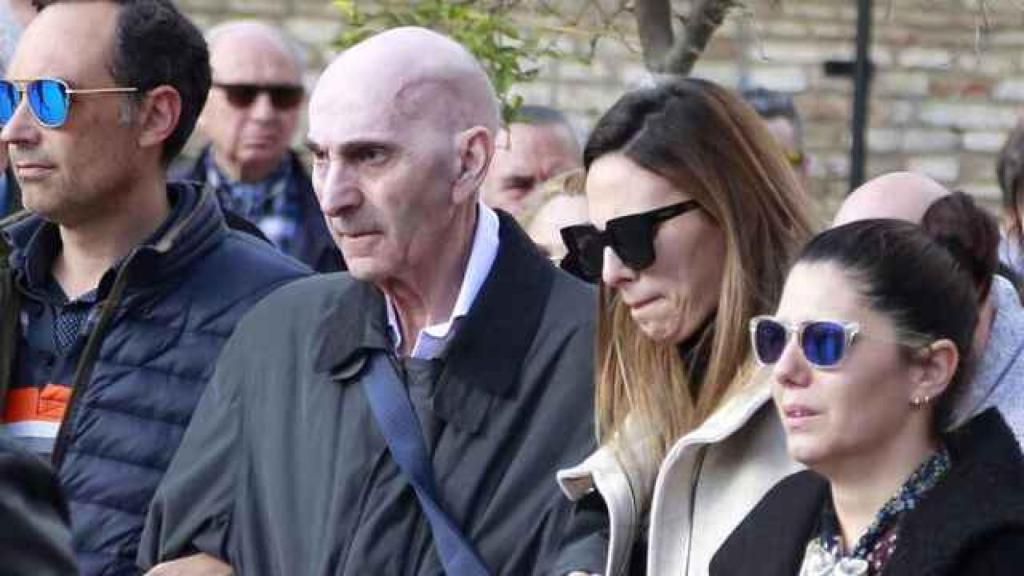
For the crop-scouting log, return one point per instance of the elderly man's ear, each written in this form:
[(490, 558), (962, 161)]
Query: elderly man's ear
[(475, 149)]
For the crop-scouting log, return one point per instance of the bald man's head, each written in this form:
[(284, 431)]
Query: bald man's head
[(393, 67), (897, 195), (401, 127)]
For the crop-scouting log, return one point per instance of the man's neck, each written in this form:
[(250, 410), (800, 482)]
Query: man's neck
[(861, 486), (89, 249), (249, 172), (426, 295)]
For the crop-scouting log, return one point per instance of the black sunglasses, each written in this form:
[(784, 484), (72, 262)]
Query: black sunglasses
[(631, 237), (282, 96)]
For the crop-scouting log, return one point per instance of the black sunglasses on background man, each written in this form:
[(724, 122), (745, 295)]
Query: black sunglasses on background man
[(282, 96)]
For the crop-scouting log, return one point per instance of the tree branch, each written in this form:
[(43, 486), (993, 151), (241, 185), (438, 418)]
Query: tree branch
[(705, 17), (654, 26)]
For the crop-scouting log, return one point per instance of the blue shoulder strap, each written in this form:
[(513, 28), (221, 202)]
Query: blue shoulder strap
[(397, 421)]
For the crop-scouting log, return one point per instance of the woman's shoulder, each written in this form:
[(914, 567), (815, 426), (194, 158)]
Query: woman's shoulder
[(972, 513), (998, 554)]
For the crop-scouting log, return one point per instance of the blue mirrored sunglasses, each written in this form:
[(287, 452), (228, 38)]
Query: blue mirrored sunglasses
[(49, 99), (824, 343)]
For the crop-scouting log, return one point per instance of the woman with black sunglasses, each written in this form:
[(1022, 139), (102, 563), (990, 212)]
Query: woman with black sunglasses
[(697, 215), (867, 351)]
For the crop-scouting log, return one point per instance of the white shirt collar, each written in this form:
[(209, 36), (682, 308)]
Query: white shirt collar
[(433, 339)]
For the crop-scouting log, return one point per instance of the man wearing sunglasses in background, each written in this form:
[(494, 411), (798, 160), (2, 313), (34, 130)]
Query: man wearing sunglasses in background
[(120, 289), (249, 120)]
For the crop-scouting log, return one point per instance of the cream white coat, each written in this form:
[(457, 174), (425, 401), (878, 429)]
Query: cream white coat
[(708, 482)]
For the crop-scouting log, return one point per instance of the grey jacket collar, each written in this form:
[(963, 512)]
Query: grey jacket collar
[(483, 362)]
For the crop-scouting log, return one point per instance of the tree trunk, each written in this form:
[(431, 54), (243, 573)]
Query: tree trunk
[(664, 53)]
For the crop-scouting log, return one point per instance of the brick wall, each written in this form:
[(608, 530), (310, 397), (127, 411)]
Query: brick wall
[(942, 101)]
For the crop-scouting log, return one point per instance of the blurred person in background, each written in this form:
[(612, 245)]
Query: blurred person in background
[(867, 361), (10, 30), (696, 216), (1010, 174), (559, 203), (780, 115), (998, 369), (249, 120), (537, 146)]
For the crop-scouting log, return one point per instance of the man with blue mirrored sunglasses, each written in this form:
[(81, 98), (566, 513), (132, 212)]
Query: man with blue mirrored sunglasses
[(120, 289), (49, 99)]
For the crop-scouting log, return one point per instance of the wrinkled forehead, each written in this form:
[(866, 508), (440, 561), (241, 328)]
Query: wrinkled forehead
[(340, 111), (338, 115)]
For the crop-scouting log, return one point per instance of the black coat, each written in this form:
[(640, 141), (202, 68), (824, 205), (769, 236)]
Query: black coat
[(284, 472), (34, 537), (970, 523)]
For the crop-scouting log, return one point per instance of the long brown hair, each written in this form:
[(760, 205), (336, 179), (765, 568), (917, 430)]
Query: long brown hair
[(706, 141)]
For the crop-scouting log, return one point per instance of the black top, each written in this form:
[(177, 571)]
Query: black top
[(284, 471), (970, 523)]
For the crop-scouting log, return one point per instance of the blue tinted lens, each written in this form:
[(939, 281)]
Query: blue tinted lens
[(824, 343), (769, 341), (49, 100), (8, 101)]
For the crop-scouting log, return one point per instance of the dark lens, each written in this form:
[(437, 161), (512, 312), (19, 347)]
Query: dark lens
[(241, 95), (49, 100), (824, 343), (769, 341), (285, 97), (586, 248), (8, 101), (633, 240)]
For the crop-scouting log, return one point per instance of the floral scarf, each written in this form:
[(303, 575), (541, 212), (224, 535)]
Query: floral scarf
[(825, 555)]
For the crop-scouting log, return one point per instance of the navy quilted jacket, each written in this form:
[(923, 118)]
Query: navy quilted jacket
[(146, 362)]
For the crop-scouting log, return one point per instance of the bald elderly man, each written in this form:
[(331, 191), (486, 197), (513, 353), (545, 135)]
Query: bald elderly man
[(407, 417), (998, 378), (249, 120)]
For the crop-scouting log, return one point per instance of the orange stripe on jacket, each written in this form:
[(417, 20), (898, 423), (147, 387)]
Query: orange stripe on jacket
[(31, 403)]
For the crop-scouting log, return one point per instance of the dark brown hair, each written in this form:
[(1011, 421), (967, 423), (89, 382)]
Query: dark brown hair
[(970, 233)]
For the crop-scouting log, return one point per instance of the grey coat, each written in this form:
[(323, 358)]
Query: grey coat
[(283, 470)]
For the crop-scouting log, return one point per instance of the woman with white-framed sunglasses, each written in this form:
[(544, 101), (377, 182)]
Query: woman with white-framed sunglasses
[(868, 352)]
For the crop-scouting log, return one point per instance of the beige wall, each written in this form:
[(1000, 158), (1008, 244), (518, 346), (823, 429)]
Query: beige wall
[(941, 103)]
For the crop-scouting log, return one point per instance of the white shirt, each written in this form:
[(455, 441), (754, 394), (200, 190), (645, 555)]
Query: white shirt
[(433, 339)]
